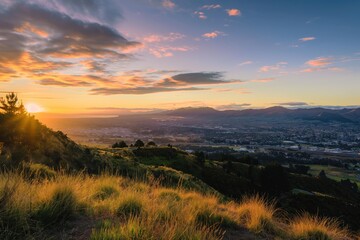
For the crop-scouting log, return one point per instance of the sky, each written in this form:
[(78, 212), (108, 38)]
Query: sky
[(111, 56)]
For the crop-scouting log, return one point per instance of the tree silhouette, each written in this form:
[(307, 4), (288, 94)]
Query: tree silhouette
[(139, 143), (11, 105)]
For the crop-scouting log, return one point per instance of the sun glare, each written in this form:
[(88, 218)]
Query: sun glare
[(33, 108)]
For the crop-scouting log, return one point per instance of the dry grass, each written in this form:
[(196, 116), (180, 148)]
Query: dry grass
[(127, 209), (257, 214), (317, 228)]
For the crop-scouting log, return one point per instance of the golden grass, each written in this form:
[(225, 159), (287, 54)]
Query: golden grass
[(128, 209), (313, 227), (257, 214)]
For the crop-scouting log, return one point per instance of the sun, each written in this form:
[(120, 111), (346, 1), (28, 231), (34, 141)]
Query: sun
[(33, 108)]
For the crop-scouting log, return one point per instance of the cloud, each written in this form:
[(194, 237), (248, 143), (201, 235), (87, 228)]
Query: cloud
[(212, 6), (292, 104), (167, 51), (171, 37), (319, 62), (245, 63), (168, 4), (234, 106), (263, 80), (139, 90), (213, 34), (275, 67), (200, 15), (305, 39), (198, 78), (233, 12)]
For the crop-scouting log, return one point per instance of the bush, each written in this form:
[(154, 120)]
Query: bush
[(129, 207), (61, 207), (208, 218), (105, 192)]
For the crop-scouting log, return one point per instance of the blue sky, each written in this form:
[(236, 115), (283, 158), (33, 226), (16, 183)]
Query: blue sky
[(173, 53)]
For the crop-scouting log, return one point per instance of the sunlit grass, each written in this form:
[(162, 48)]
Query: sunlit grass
[(129, 209), (317, 228)]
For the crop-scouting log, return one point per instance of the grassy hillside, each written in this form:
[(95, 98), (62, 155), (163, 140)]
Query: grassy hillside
[(108, 207)]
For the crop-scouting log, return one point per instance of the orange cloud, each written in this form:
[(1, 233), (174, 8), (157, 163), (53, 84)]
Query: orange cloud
[(201, 15), (233, 12), (319, 62)]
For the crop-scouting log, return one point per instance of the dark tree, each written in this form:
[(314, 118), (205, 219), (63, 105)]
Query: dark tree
[(139, 143), (274, 179), (120, 144), (151, 144), (11, 105), (322, 174), (200, 158)]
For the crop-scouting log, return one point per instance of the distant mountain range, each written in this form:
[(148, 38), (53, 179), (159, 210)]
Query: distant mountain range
[(307, 114)]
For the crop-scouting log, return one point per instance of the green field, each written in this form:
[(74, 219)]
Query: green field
[(335, 173)]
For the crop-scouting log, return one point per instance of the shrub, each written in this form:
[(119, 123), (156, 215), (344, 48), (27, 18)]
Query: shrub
[(105, 192), (257, 214), (61, 207), (308, 227), (37, 171), (129, 207), (208, 218)]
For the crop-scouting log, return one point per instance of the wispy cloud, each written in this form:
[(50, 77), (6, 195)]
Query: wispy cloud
[(167, 51), (212, 6), (200, 15), (275, 67), (292, 104), (168, 4), (245, 63), (155, 38), (233, 12), (306, 39), (319, 62), (262, 80)]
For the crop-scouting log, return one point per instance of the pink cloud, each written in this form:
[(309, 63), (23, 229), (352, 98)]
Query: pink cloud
[(233, 12), (305, 39), (319, 62), (168, 4), (213, 34), (275, 67)]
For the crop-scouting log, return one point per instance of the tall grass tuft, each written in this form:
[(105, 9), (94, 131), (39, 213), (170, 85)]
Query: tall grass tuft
[(208, 218), (105, 192), (308, 227), (61, 207), (13, 224), (129, 207), (257, 214)]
